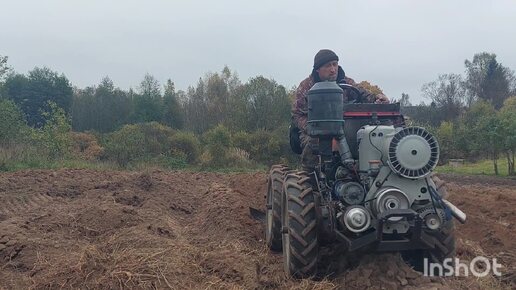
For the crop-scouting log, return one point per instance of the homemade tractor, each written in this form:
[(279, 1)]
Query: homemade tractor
[(372, 190)]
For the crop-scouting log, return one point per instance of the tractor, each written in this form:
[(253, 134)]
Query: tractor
[(373, 189)]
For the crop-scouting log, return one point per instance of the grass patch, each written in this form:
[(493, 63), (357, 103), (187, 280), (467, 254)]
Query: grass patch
[(35, 161), (484, 167), (233, 169), (83, 164), (139, 166), (57, 164), (159, 162), (22, 157)]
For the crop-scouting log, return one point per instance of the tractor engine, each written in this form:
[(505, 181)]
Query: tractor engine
[(394, 165), (394, 168)]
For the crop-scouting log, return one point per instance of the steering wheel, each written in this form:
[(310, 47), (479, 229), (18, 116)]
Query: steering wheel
[(357, 94)]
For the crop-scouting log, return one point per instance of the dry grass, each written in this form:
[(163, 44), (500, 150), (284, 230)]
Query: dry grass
[(85, 146), (107, 266)]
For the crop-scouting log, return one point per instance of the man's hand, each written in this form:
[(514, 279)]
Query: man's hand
[(381, 99)]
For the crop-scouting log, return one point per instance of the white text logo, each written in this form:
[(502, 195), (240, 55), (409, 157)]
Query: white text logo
[(478, 267)]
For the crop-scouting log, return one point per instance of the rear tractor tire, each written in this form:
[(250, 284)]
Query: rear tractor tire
[(299, 220), (445, 248), (445, 238), (273, 214)]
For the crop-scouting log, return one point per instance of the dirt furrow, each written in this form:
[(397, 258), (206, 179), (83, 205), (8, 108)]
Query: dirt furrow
[(183, 230)]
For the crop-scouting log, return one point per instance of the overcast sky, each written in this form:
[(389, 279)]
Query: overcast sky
[(396, 44)]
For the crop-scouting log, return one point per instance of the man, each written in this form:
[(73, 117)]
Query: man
[(326, 68)]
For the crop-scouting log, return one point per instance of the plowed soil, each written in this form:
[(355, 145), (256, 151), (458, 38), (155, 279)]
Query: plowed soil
[(86, 229)]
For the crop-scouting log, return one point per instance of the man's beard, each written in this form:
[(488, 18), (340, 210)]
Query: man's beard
[(332, 78)]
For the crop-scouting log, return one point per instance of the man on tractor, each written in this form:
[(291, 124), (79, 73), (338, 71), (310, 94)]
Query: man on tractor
[(367, 182), (326, 68)]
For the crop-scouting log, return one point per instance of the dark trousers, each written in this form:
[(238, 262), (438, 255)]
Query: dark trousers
[(308, 159)]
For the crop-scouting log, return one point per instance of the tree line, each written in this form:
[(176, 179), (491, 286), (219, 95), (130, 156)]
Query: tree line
[(473, 114), (194, 118), (460, 111)]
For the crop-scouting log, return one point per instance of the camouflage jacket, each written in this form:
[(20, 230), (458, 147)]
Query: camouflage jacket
[(300, 105)]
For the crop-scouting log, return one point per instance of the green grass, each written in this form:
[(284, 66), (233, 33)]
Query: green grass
[(83, 164), (140, 166), (28, 157), (21, 157), (57, 164), (250, 169), (484, 167), (35, 161)]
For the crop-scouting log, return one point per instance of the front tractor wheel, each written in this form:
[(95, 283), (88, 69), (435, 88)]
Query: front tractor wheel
[(273, 215), (299, 220)]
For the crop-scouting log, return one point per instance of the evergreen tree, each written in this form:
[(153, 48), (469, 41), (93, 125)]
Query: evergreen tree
[(173, 115)]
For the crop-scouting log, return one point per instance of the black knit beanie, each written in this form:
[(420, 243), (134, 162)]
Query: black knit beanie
[(324, 56)]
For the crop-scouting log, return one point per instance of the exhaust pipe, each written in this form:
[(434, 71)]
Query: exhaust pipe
[(345, 152), (456, 212)]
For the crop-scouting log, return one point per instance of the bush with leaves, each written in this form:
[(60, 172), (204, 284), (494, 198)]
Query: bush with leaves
[(445, 138), (484, 131), (507, 116), (218, 141), (157, 137), (136, 142), (266, 147), (12, 124), (125, 145), (54, 137), (242, 140), (185, 143), (24, 147)]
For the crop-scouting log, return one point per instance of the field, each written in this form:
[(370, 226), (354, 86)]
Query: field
[(483, 167), (159, 229)]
